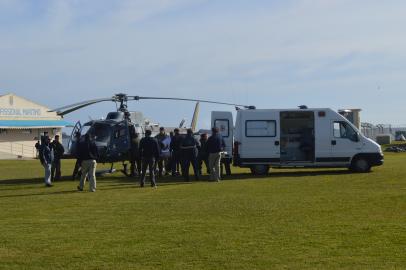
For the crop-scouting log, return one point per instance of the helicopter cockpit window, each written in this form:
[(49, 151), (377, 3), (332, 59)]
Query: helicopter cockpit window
[(121, 132), (84, 129), (101, 132)]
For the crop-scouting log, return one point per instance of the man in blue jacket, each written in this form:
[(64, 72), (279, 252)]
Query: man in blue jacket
[(46, 157), (164, 141), (189, 150)]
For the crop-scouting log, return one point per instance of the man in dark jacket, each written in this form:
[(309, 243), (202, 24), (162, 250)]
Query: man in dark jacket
[(56, 164), (135, 160), (149, 153), (203, 155), (46, 157), (215, 145), (189, 147), (176, 159), (88, 154)]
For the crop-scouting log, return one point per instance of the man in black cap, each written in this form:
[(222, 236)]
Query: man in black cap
[(149, 153)]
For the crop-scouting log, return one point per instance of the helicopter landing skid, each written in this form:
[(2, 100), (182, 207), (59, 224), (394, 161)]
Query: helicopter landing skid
[(107, 171)]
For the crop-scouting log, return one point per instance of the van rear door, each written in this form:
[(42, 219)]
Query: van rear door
[(260, 137), (224, 122)]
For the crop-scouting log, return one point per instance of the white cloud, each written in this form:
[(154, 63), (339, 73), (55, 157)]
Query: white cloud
[(170, 47), (129, 11)]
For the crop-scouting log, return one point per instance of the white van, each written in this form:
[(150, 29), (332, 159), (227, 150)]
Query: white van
[(263, 138)]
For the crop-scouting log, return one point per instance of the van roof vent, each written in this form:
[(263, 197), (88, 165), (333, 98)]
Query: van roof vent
[(303, 107)]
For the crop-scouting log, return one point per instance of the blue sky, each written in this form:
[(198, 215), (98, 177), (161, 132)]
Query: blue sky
[(273, 54)]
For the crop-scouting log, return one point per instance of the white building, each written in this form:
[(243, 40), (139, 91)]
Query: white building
[(22, 122)]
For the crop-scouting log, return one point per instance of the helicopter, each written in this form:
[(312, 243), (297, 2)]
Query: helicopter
[(113, 134)]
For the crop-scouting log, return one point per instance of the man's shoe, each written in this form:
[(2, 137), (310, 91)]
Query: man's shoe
[(48, 185), (92, 190), (79, 189)]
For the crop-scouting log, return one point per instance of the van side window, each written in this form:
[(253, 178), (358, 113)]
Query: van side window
[(260, 128), (345, 131), (223, 126)]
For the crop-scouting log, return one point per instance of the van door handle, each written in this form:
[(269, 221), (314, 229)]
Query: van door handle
[(334, 142), (276, 142)]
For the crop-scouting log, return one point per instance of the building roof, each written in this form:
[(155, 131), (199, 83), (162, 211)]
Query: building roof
[(23, 98), (25, 124), (13, 107)]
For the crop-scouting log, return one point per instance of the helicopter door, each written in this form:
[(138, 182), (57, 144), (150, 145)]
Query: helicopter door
[(72, 139), (121, 142)]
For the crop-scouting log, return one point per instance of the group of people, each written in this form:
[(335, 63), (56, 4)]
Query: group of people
[(175, 153), (50, 155), (162, 154)]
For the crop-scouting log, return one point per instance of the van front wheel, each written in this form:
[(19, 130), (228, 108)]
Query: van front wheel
[(360, 165), (259, 169)]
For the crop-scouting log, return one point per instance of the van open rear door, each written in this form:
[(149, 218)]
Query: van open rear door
[(224, 122)]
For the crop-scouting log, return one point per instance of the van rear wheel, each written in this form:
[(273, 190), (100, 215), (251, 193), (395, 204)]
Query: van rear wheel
[(360, 165), (259, 169)]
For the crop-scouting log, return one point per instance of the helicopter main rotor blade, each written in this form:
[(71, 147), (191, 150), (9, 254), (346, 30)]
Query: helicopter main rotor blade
[(62, 113), (76, 106), (188, 99)]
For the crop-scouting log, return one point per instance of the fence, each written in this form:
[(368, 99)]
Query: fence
[(372, 131), (18, 149)]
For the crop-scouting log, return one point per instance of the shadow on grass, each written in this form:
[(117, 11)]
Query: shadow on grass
[(31, 181), (179, 180), (39, 194), (281, 174), (117, 183)]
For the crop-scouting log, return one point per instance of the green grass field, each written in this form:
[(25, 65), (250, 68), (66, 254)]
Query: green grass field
[(291, 219)]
